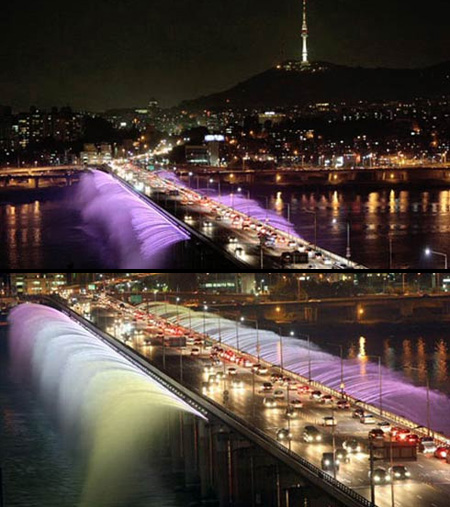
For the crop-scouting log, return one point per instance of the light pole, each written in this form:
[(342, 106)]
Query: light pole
[(428, 397), (348, 252), (190, 176), (258, 351), (309, 354), (205, 309), (380, 374), (428, 252), (341, 349), (239, 319), (181, 346), (315, 223), (281, 351)]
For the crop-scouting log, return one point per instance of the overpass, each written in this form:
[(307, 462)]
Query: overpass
[(430, 175), (33, 175), (362, 309), (239, 461)]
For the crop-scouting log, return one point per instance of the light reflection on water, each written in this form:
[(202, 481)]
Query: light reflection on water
[(413, 218)]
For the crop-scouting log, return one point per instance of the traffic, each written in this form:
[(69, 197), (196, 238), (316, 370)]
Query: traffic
[(362, 450)]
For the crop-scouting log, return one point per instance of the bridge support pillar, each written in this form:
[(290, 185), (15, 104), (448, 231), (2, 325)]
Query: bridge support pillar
[(36, 182), (190, 450), (176, 441), (223, 466)]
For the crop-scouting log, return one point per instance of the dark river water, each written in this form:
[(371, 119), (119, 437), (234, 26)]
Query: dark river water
[(41, 229)]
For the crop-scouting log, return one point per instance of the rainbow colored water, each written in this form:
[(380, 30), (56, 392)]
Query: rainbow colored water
[(109, 410)]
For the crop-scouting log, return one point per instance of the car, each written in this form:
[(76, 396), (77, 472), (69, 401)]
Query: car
[(270, 402), (427, 445), (279, 393), (207, 388), (376, 434), (237, 383), (311, 434), (232, 370), (284, 434), (296, 403), (385, 426), (352, 445), (262, 370), (441, 452), (212, 379), (303, 389), (380, 476), (276, 377), (329, 462), (342, 455), (256, 367), (367, 419), (220, 375), (399, 473), (291, 412), (412, 438), (395, 430), (327, 398), (402, 435), (239, 250), (208, 368), (316, 395), (195, 351), (358, 413), (343, 404), (329, 421), (232, 239), (266, 387)]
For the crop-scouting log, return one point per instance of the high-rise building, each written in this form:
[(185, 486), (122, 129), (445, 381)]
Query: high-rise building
[(37, 283)]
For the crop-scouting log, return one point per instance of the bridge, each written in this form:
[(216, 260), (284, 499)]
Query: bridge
[(33, 175), (239, 461), (252, 235), (236, 453), (414, 175)]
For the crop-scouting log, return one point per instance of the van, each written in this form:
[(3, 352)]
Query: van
[(367, 419)]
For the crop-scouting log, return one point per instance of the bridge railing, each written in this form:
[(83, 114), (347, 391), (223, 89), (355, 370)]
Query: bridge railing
[(206, 407)]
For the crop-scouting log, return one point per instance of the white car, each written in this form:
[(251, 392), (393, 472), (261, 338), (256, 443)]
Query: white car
[(368, 419), (270, 402), (232, 370), (278, 393)]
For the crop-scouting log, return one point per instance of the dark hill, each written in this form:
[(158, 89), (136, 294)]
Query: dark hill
[(291, 84)]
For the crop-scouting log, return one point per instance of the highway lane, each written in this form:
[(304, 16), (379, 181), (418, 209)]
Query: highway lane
[(429, 484), (222, 224)]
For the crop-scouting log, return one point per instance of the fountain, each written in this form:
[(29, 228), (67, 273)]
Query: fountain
[(137, 233), (108, 410)]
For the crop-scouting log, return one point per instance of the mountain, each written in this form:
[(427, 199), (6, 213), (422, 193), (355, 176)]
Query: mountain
[(291, 83)]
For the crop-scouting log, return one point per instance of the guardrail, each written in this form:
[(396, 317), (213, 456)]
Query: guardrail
[(206, 407)]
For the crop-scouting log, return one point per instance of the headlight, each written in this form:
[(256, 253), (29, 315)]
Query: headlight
[(376, 479), (319, 438), (327, 462), (407, 474), (358, 449)]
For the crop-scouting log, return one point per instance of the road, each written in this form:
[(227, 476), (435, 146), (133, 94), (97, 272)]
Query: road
[(429, 485), (238, 233)]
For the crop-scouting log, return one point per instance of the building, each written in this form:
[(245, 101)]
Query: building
[(240, 283), (198, 155), (36, 283)]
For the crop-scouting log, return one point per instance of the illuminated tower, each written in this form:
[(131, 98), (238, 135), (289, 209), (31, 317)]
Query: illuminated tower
[(304, 36)]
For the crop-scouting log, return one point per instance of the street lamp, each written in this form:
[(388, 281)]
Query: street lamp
[(240, 319), (181, 346), (428, 397), (341, 349), (380, 379), (315, 223), (205, 309), (429, 252), (258, 351), (348, 253)]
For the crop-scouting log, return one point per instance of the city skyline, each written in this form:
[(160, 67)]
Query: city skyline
[(175, 53)]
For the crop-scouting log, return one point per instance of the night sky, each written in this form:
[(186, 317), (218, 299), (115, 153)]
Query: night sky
[(101, 54)]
